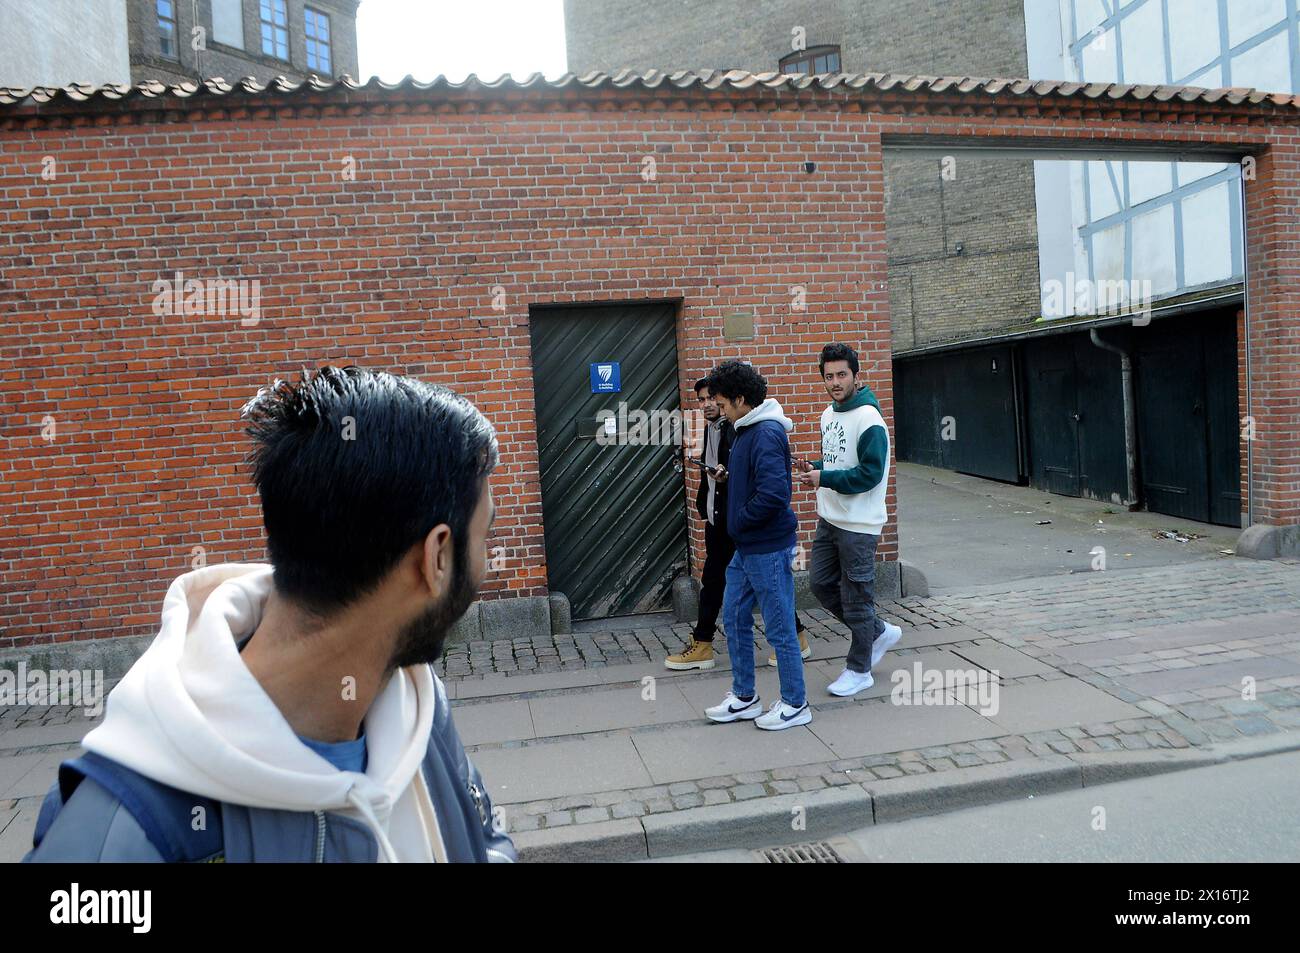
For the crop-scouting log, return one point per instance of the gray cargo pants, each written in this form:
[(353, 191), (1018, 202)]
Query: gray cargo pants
[(843, 577)]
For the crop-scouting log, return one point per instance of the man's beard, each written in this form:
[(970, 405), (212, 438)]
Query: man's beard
[(421, 642)]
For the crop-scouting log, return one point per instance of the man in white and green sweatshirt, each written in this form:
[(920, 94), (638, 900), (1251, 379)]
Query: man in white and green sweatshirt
[(851, 479)]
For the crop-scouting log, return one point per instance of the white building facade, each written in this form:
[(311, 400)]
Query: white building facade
[(1175, 225)]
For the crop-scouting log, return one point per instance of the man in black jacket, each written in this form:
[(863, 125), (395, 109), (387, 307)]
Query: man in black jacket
[(711, 504)]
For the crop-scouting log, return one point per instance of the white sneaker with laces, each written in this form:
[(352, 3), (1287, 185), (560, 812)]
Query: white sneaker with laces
[(886, 641), (850, 683), (733, 709), (781, 715)]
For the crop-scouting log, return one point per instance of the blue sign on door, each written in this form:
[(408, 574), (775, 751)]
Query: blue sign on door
[(605, 378)]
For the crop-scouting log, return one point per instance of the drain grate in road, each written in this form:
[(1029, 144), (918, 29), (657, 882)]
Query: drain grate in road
[(820, 852)]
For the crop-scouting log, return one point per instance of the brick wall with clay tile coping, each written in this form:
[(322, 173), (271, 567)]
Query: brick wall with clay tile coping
[(458, 191)]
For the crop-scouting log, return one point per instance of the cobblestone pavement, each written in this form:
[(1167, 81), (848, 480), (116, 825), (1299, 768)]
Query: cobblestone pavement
[(561, 653), (1133, 636), (1204, 652)]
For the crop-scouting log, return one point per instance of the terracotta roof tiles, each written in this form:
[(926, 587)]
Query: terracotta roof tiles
[(710, 80)]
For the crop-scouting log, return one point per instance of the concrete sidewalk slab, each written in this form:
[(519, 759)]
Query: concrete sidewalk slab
[(941, 660), (37, 735), (31, 775), (709, 689), (1006, 661), (609, 709), (1268, 623), (1226, 674), (556, 769), (915, 637), (493, 722), (12, 771), (517, 684), (16, 828), (684, 754), (635, 672), (854, 731), (764, 822), (1153, 639), (1061, 703), (1104, 649)]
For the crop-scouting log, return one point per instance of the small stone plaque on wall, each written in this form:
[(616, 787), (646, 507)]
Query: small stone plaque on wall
[(738, 327)]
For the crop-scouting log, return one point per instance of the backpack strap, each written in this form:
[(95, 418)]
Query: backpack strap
[(182, 827)]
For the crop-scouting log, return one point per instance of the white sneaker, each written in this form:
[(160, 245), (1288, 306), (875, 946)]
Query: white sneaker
[(884, 642), (781, 715), (850, 683), (733, 709)]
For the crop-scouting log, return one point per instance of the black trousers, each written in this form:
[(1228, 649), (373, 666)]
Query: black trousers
[(718, 550)]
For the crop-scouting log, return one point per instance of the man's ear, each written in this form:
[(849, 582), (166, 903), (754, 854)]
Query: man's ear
[(436, 565)]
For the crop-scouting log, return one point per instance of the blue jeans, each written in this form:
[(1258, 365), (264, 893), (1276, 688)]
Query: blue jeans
[(766, 579)]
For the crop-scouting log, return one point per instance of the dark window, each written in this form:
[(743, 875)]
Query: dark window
[(167, 28), (815, 59), (275, 29), (318, 40)]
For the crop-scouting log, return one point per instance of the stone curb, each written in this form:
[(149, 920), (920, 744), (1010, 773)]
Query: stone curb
[(765, 822), (603, 842), (758, 822), (1099, 769), (917, 795)]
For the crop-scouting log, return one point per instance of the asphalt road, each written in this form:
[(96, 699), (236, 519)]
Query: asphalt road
[(1236, 812)]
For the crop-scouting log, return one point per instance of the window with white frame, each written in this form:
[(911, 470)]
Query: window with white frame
[(1173, 223)]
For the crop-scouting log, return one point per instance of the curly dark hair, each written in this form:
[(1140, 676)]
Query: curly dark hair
[(838, 352), (736, 379)]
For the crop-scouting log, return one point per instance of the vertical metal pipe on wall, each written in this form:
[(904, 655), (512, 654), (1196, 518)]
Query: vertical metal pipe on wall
[(1130, 424)]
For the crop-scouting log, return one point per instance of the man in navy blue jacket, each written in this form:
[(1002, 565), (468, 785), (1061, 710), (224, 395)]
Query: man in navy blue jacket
[(763, 527)]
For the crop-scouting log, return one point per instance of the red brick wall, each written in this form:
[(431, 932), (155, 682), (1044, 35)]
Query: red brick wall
[(1273, 308), (396, 269)]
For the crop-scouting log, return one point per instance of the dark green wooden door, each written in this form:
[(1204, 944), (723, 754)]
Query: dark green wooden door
[(615, 514)]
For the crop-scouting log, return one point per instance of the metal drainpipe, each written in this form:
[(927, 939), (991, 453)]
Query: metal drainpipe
[(1130, 429)]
